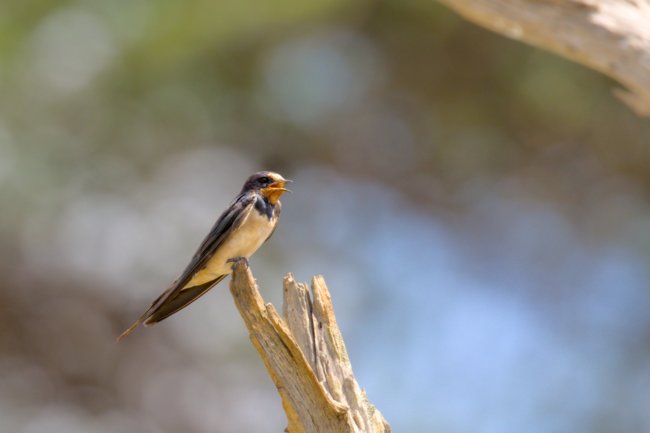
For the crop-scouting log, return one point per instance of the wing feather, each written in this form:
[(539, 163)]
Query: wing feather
[(230, 220)]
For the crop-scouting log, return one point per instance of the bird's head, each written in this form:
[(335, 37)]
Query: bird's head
[(269, 184)]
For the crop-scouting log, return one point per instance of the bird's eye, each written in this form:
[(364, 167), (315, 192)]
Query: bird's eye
[(265, 180)]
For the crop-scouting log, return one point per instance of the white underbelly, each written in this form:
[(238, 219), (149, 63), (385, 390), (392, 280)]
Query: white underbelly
[(242, 243)]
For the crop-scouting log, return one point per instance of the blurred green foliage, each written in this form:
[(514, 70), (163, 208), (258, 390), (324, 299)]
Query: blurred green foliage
[(126, 125)]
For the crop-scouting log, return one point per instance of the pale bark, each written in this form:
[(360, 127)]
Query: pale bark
[(305, 356), (610, 36)]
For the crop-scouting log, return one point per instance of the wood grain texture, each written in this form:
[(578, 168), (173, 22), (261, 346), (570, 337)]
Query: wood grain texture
[(305, 356), (610, 36)]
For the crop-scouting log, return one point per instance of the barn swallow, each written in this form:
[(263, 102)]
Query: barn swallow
[(247, 223)]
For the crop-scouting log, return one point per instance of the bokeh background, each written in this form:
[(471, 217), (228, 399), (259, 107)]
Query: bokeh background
[(479, 208)]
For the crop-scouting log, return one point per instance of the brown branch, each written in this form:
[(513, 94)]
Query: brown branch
[(305, 356), (610, 36)]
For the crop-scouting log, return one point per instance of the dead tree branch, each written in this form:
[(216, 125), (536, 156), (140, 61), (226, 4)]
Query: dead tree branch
[(610, 36), (305, 356)]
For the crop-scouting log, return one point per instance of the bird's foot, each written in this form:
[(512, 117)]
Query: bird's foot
[(236, 260)]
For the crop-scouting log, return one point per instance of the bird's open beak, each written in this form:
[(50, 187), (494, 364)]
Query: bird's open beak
[(279, 185)]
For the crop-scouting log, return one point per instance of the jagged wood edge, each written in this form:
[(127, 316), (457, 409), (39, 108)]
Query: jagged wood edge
[(306, 358)]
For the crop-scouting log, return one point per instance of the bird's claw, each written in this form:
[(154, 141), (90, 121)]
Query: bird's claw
[(236, 260)]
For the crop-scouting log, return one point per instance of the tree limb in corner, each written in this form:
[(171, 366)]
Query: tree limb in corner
[(610, 36)]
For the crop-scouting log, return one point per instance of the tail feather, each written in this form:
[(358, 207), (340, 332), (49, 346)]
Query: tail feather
[(184, 298), (169, 303), (128, 330)]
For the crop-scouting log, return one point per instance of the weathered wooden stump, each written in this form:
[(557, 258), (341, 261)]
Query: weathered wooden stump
[(306, 357)]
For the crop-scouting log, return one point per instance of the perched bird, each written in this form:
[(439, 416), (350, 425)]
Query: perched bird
[(249, 221)]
